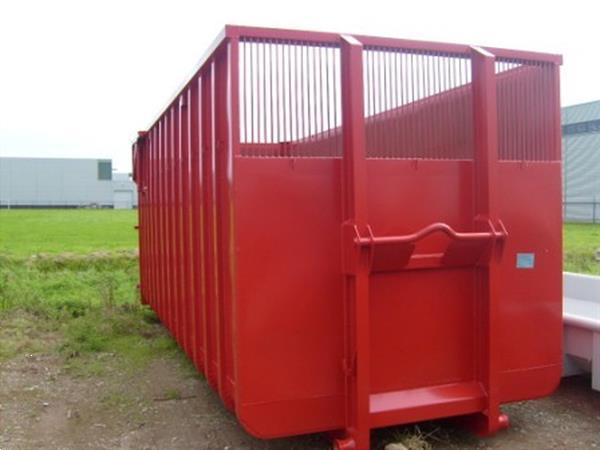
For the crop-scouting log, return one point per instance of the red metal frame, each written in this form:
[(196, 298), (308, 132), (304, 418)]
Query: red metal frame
[(327, 293)]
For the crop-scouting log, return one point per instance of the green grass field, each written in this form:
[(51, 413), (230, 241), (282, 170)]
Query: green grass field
[(73, 274), (26, 232), (580, 241)]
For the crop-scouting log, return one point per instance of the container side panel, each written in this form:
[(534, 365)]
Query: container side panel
[(289, 314), (531, 307), (223, 225), (530, 206)]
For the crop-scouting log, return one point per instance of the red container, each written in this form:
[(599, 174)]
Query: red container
[(346, 233)]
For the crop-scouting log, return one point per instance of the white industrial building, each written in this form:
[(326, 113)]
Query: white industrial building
[(64, 183), (581, 162)]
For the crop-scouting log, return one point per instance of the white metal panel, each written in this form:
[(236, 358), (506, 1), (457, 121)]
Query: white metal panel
[(123, 200), (52, 182), (581, 317)]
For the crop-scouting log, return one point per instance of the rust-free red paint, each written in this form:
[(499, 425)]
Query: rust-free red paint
[(348, 232)]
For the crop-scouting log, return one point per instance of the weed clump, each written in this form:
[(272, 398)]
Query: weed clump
[(90, 302)]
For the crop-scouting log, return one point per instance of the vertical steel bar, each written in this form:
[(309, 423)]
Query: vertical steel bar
[(263, 97), (413, 113), (403, 102), (288, 94), (297, 74), (222, 161), (159, 223), (187, 242), (151, 218), (328, 148), (233, 152), (151, 222), (174, 217), (381, 150), (163, 226), (355, 218), (162, 213), (368, 100), (312, 97), (304, 95), (279, 112), (170, 309), (555, 114), (196, 227), (209, 261), (385, 109), (486, 210), (320, 74)]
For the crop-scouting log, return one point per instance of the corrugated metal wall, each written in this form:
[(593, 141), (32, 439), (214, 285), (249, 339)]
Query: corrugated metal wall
[(581, 163)]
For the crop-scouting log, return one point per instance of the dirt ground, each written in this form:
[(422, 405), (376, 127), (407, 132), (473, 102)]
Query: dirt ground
[(165, 406)]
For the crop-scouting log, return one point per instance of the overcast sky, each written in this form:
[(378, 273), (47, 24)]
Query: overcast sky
[(79, 78)]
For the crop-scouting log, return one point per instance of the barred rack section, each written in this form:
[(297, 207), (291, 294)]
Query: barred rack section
[(527, 102), (417, 104), (290, 101)]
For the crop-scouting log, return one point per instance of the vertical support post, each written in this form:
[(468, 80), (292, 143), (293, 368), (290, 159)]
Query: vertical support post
[(485, 124), (139, 175), (354, 214), (233, 117), (186, 241), (196, 229), (596, 360), (207, 111)]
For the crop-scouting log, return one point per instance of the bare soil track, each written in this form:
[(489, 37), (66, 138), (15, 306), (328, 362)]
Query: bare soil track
[(164, 406)]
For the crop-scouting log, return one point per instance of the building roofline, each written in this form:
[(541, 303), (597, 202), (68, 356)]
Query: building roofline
[(580, 104), (56, 157)]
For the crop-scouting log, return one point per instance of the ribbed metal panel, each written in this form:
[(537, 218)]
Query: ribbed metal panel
[(581, 165)]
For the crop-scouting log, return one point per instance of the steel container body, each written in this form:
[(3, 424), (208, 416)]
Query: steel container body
[(348, 232)]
